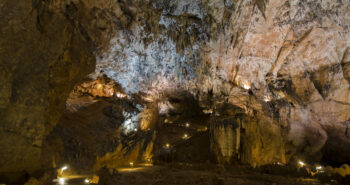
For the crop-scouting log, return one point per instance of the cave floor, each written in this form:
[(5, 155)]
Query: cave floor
[(186, 174)]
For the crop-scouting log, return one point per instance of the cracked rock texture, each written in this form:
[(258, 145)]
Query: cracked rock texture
[(275, 73)]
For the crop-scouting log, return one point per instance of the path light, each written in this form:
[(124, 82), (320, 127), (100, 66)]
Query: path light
[(319, 169), (61, 181), (64, 168), (121, 95), (87, 181), (61, 170), (301, 163)]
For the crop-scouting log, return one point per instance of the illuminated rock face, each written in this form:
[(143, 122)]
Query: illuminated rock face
[(100, 127), (284, 63)]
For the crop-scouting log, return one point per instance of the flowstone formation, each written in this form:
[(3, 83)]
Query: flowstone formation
[(269, 78)]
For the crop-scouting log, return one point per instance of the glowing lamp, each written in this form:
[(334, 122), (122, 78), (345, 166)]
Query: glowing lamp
[(187, 125), (64, 168), (319, 168), (301, 163), (135, 129), (131, 164), (61, 181), (87, 181), (120, 95), (185, 136), (167, 145)]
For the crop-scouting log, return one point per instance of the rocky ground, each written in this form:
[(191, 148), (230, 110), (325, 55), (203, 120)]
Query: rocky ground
[(189, 174)]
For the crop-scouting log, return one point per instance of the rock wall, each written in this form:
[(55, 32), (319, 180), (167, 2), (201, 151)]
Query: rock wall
[(238, 137), (46, 48), (285, 63), (102, 126)]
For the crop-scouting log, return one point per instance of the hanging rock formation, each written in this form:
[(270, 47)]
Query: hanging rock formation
[(284, 63)]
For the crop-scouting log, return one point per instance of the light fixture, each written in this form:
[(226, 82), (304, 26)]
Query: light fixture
[(64, 168), (319, 168), (187, 125), (121, 95), (185, 136), (301, 163), (61, 181), (131, 164), (167, 145), (87, 181), (135, 129)]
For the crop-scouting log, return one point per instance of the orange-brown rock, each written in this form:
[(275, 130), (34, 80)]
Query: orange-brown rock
[(283, 64)]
